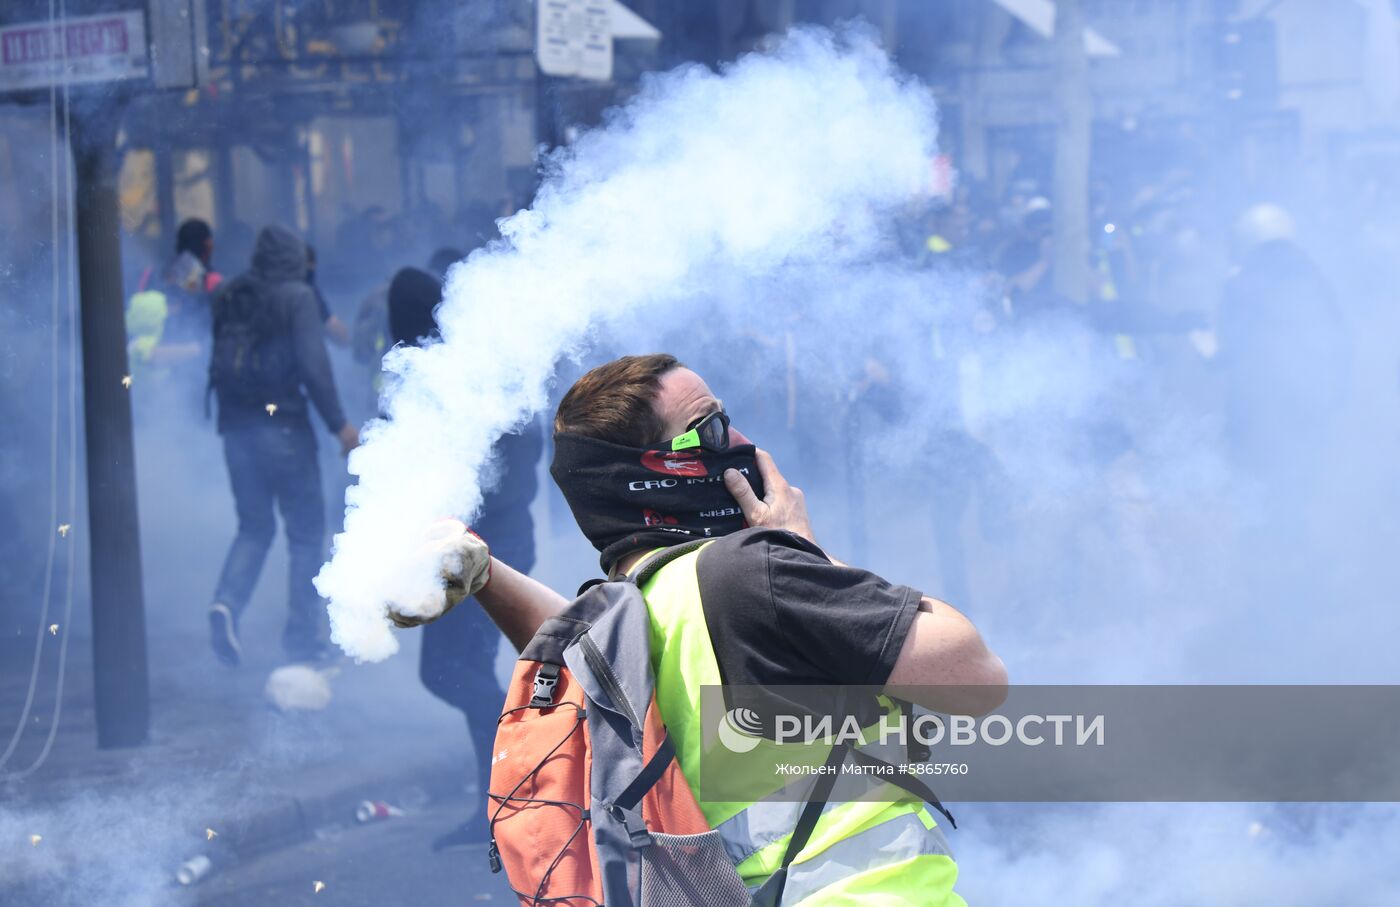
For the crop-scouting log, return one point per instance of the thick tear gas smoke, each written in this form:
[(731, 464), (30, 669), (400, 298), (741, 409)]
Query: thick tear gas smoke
[(788, 156)]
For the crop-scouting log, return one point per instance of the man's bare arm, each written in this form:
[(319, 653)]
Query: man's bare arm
[(946, 666), (517, 604)]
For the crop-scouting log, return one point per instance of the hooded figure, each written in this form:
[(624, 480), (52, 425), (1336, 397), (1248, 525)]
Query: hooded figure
[(268, 358), (1286, 357), (270, 311), (459, 649)]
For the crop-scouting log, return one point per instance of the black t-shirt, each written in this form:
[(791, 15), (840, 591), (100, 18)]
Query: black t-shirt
[(780, 613)]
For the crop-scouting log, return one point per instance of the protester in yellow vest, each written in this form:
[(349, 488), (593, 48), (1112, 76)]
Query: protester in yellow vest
[(167, 318), (647, 459), (167, 322)]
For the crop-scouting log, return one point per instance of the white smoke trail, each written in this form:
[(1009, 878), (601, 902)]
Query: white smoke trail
[(783, 157)]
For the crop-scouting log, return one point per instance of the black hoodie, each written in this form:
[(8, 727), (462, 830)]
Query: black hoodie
[(279, 271)]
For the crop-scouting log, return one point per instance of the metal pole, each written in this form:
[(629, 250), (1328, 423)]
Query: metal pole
[(118, 610), (308, 196), (1074, 125), (546, 112), (224, 202), (165, 194)]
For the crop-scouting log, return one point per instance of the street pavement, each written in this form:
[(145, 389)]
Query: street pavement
[(388, 862), (111, 827)]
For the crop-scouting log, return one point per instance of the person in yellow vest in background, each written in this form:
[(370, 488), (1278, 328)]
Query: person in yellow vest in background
[(944, 235), (167, 318), (647, 458)]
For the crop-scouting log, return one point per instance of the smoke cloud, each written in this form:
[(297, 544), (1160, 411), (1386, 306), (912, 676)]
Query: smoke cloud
[(787, 158)]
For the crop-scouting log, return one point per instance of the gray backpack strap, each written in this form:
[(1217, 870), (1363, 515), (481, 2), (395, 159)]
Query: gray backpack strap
[(648, 567)]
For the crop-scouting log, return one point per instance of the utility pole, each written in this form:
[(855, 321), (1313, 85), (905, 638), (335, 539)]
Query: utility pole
[(546, 111), (165, 191), (990, 29), (1074, 120), (118, 609)]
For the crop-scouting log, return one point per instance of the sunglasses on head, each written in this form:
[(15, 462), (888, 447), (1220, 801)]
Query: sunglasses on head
[(708, 432)]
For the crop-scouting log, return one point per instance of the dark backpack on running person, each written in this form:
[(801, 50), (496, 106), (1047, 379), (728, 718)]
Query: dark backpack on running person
[(250, 364)]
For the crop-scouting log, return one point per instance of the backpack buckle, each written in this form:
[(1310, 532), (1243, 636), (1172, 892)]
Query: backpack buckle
[(546, 679), (631, 819)]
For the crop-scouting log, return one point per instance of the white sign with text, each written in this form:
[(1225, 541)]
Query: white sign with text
[(79, 49)]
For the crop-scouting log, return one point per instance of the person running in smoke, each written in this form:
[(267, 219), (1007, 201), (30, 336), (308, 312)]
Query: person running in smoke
[(370, 340), (772, 608), (459, 649), (337, 331), (194, 238), (1285, 356), (167, 318), (269, 355)]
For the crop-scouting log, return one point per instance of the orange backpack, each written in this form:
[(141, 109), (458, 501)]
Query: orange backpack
[(587, 803)]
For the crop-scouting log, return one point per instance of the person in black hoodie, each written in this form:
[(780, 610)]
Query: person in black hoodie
[(459, 648), (1285, 356), (268, 358)]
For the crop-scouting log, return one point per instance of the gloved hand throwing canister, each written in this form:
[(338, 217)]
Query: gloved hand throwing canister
[(465, 566)]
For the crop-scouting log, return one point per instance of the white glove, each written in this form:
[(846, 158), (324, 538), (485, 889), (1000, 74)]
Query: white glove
[(464, 563)]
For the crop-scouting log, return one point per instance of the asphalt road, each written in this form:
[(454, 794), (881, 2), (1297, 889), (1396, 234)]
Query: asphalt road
[(385, 863)]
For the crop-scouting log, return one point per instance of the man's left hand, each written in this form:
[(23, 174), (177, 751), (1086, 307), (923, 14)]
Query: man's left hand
[(782, 506)]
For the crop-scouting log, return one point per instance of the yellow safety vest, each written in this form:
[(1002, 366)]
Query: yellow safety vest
[(145, 325), (861, 852)]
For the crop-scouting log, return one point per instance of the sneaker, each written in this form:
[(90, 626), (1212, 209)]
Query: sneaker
[(223, 635), (471, 833)]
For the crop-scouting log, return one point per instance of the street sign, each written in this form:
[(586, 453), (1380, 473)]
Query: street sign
[(573, 38), (101, 48), (595, 57), (1039, 16), (179, 47)]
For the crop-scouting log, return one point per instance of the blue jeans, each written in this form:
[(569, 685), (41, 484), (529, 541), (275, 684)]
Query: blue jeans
[(275, 462)]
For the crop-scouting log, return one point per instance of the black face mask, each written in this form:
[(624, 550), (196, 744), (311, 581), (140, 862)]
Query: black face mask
[(625, 498)]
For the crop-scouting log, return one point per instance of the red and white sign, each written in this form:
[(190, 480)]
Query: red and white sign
[(80, 49)]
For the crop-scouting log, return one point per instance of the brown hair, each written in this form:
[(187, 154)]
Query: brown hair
[(614, 402)]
